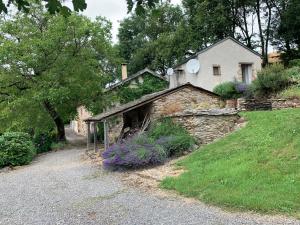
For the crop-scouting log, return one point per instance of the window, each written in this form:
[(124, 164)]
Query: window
[(246, 73), (216, 70)]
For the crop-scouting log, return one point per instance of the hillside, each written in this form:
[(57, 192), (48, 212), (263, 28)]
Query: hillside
[(256, 168)]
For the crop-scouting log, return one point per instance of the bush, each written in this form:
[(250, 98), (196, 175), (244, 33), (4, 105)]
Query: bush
[(166, 127), (270, 80), (230, 90), (294, 75), (176, 145), (16, 149), (136, 152), (44, 141), (294, 62), (165, 138)]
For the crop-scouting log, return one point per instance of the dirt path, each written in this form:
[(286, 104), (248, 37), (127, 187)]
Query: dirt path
[(64, 188)]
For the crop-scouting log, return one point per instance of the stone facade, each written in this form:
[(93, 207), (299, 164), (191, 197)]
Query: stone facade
[(208, 123), (207, 126), (78, 125), (188, 98), (115, 126)]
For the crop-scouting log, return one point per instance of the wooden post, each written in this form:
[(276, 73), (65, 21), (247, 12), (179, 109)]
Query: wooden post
[(106, 140), (88, 138), (95, 136)]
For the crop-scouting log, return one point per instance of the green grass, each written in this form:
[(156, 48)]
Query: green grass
[(290, 93), (256, 168)]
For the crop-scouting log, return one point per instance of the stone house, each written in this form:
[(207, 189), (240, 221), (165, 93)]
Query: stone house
[(198, 110), (226, 60), (118, 93)]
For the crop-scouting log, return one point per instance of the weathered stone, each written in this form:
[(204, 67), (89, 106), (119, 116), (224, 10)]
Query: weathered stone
[(188, 98), (198, 111), (207, 128), (266, 104)]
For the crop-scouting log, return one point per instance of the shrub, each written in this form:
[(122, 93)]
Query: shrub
[(176, 145), (16, 149), (230, 90), (44, 141), (270, 80), (165, 138), (294, 75), (294, 62), (166, 127), (136, 152)]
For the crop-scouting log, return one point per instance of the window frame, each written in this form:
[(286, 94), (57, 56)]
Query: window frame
[(218, 67)]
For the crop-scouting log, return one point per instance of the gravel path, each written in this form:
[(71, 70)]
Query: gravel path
[(63, 188)]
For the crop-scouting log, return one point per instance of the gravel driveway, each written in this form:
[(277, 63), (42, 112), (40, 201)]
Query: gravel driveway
[(63, 188)]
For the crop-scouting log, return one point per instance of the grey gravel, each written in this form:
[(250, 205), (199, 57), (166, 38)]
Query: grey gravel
[(63, 188)]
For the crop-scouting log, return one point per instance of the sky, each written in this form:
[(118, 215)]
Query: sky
[(114, 10)]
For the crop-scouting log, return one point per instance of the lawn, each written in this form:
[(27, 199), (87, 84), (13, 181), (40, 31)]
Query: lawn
[(256, 168)]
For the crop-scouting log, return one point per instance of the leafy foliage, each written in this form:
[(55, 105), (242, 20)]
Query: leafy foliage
[(150, 84), (270, 80), (16, 149), (43, 141), (48, 62), (176, 144), (294, 74), (148, 40), (166, 127), (230, 90), (53, 6)]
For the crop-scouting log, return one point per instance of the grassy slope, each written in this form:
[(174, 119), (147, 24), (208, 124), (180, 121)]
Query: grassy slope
[(256, 168)]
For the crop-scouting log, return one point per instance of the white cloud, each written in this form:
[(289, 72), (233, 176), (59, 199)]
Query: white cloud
[(114, 10)]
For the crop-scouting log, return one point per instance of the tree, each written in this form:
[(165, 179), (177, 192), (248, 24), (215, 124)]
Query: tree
[(49, 65), (288, 32), (141, 37), (55, 6)]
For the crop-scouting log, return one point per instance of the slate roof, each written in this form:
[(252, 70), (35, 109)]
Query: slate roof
[(215, 44), (132, 77), (143, 101)]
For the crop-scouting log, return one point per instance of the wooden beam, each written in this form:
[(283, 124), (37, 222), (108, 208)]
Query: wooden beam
[(106, 139), (88, 137), (95, 137)]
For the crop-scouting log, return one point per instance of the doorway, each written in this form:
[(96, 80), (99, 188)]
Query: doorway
[(247, 73)]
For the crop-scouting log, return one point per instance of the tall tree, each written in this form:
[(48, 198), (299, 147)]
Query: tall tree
[(288, 32), (141, 36), (49, 65)]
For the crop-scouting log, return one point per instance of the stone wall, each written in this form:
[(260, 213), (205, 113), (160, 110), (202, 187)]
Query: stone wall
[(209, 125), (285, 103), (266, 104), (253, 104), (115, 126), (188, 98)]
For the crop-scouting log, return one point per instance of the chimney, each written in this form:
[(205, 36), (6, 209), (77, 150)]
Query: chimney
[(124, 71)]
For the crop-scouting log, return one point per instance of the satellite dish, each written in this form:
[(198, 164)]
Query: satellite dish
[(193, 66), (170, 71)]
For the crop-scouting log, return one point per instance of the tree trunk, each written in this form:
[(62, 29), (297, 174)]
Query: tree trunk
[(261, 35), (61, 136)]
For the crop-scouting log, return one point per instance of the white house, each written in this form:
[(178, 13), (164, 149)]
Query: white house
[(226, 60)]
